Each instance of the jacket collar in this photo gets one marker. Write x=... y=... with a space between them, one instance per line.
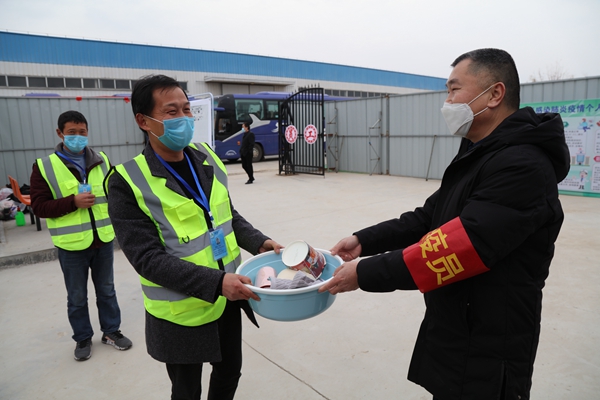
x=92 y=158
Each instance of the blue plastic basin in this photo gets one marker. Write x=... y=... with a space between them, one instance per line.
x=288 y=304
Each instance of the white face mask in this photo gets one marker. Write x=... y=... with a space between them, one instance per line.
x=459 y=116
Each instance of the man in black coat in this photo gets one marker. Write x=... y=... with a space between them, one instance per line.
x=481 y=245
x=247 y=151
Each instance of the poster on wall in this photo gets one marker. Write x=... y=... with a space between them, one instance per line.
x=582 y=132
x=202 y=110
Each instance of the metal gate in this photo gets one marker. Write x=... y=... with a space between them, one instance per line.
x=302 y=133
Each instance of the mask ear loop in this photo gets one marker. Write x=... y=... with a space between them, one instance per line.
x=481 y=94
x=147 y=116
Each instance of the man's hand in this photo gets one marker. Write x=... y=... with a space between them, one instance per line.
x=234 y=288
x=348 y=248
x=84 y=200
x=270 y=245
x=345 y=279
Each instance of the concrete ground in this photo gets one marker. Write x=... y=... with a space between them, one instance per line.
x=358 y=349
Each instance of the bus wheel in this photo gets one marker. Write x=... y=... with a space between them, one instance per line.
x=257 y=153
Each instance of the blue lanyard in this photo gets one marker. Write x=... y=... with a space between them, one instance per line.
x=199 y=198
x=83 y=174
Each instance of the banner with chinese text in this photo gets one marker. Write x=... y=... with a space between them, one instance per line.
x=582 y=132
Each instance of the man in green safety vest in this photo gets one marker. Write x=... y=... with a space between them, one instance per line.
x=175 y=222
x=66 y=189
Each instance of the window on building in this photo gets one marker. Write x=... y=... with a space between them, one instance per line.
x=328 y=92
x=122 y=84
x=2 y=80
x=56 y=82
x=90 y=83
x=336 y=93
x=73 y=83
x=107 y=83
x=183 y=85
x=37 y=82
x=17 y=81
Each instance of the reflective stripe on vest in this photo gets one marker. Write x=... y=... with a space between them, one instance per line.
x=166 y=208
x=74 y=231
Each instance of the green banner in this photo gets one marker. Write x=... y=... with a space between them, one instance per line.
x=582 y=132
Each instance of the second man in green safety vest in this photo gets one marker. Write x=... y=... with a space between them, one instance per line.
x=176 y=224
x=66 y=189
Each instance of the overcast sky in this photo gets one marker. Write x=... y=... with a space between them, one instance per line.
x=419 y=37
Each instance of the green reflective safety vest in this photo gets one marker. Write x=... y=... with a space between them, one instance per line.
x=183 y=230
x=74 y=231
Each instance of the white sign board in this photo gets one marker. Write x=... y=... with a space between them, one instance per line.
x=202 y=110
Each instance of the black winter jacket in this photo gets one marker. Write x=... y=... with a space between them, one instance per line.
x=479 y=336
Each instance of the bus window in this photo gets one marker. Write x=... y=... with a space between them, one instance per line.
x=224 y=126
x=272 y=109
x=245 y=107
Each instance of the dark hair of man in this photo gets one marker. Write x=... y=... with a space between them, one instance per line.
x=71 y=116
x=142 y=96
x=497 y=66
x=246 y=124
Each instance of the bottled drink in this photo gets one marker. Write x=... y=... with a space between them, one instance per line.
x=20 y=217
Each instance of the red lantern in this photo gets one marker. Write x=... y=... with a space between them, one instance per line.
x=126 y=99
x=78 y=98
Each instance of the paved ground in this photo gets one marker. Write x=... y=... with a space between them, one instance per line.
x=358 y=349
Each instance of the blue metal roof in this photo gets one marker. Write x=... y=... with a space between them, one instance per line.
x=16 y=47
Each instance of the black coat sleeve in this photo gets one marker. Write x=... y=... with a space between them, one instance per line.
x=386 y=270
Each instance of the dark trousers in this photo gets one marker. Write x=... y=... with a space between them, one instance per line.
x=247 y=165
x=76 y=267
x=186 y=379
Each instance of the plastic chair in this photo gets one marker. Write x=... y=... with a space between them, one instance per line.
x=25 y=199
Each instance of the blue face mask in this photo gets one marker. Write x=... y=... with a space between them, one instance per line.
x=75 y=143
x=178 y=132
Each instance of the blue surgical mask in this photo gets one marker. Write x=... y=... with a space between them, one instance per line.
x=75 y=143
x=178 y=132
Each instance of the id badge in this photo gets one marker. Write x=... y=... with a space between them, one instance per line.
x=85 y=188
x=217 y=242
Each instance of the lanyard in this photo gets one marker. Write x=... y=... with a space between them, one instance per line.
x=199 y=198
x=83 y=174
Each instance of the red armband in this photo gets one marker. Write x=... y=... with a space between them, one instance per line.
x=443 y=256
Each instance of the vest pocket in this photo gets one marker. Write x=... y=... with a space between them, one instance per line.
x=181 y=306
x=231 y=245
x=186 y=220
x=221 y=211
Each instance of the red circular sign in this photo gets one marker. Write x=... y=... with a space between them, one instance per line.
x=310 y=134
x=291 y=134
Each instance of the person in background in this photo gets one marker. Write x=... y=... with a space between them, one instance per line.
x=247 y=151
x=177 y=226
x=66 y=189
x=480 y=247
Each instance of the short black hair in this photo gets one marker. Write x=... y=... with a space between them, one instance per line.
x=71 y=116
x=246 y=124
x=142 y=96
x=500 y=67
